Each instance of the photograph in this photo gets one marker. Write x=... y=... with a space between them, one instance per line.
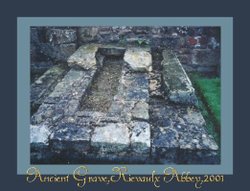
x=125 y=95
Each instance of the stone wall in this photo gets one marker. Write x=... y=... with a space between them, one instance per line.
x=198 y=48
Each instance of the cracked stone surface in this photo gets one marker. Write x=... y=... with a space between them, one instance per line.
x=44 y=85
x=138 y=59
x=113 y=137
x=84 y=56
x=146 y=118
x=178 y=85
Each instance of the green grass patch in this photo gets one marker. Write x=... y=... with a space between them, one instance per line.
x=208 y=90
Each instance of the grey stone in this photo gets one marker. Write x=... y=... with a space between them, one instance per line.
x=84 y=57
x=112 y=137
x=163 y=155
x=43 y=86
x=57 y=52
x=135 y=80
x=140 y=111
x=140 y=137
x=138 y=59
x=194 y=117
x=71 y=137
x=72 y=107
x=179 y=127
x=197 y=157
x=88 y=34
x=71 y=132
x=195 y=138
x=60 y=36
x=133 y=87
x=44 y=112
x=65 y=51
x=141 y=29
x=39 y=134
x=177 y=84
x=167 y=137
x=121 y=109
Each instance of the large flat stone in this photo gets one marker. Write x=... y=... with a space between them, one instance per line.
x=138 y=59
x=113 y=137
x=73 y=85
x=140 y=111
x=85 y=56
x=131 y=100
x=177 y=84
x=39 y=134
x=133 y=87
x=71 y=137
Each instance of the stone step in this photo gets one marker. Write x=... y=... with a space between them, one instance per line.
x=139 y=59
x=177 y=84
x=44 y=85
x=84 y=56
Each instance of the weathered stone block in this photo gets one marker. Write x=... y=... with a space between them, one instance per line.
x=111 y=138
x=166 y=137
x=57 y=52
x=60 y=36
x=72 y=137
x=140 y=111
x=39 y=134
x=135 y=80
x=138 y=59
x=177 y=84
x=43 y=86
x=84 y=57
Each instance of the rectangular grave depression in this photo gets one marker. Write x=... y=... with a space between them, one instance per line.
x=104 y=87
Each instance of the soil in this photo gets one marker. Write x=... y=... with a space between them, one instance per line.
x=104 y=87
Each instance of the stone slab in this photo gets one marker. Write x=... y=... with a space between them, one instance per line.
x=113 y=137
x=85 y=56
x=71 y=137
x=39 y=134
x=177 y=84
x=138 y=59
x=140 y=111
